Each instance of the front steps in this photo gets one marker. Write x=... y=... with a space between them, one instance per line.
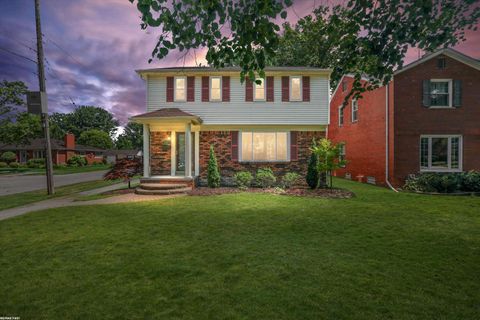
x=164 y=186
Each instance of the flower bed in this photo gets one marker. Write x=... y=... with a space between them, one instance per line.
x=301 y=192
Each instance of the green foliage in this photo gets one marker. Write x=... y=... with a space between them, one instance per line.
x=38 y=163
x=124 y=169
x=265 y=178
x=77 y=161
x=213 y=175
x=444 y=182
x=8 y=156
x=470 y=181
x=14 y=165
x=3 y=164
x=290 y=179
x=11 y=96
x=243 y=179
x=25 y=128
x=312 y=169
x=328 y=155
x=95 y=138
x=131 y=138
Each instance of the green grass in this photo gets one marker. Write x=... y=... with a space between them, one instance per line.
x=58 y=171
x=20 y=199
x=378 y=255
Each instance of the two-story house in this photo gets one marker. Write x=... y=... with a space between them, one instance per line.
x=427 y=119
x=250 y=125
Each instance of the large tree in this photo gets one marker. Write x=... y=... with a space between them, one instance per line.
x=25 y=128
x=131 y=138
x=364 y=36
x=95 y=138
x=12 y=95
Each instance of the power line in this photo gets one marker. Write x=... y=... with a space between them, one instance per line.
x=18 y=54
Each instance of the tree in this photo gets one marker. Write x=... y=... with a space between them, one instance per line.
x=328 y=155
x=8 y=157
x=131 y=138
x=124 y=169
x=213 y=175
x=96 y=138
x=312 y=169
x=25 y=128
x=11 y=96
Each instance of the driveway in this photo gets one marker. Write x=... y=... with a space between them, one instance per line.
x=10 y=184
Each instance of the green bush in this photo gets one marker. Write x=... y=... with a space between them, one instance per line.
x=77 y=161
x=213 y=175
x=3 y=164
x=265 y=178
x=36 y=163
x=312 y=171
x=470 y=181
x=60 y=166
x=243 y=179
x=444 y=182
x=8 y=157
x=14 y=165
x=290 y=179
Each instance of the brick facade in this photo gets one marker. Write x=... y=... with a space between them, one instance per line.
x=160 y=153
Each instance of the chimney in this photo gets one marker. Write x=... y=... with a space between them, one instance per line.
x=69 y=141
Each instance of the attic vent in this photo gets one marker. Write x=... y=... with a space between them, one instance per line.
x=371 y=180
x=348 y=176
x=441 y=63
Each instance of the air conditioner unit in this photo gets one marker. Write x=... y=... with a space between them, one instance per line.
x=37 y=102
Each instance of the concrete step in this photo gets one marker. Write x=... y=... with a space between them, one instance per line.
x=162 y=186
x=142 y=191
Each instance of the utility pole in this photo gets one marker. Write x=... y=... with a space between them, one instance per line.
x=41 y=84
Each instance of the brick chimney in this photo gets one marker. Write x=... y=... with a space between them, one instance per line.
x=69 y=141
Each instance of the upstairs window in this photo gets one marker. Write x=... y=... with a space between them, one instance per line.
x=264 y=146
x=180 y=88
x=296 y=88
x=440 y=153
x=259 y=92
x=354 y=110
x=438 y=93
x=340 y=115
x=215 y=88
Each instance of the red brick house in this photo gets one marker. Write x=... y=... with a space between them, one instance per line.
x=250 y=125
x=62 y=150
x=427 y=119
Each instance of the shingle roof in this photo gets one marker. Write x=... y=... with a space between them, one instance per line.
x=230 y=69
x=165 y=113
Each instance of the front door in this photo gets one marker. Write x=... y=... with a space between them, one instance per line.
x=180 y=154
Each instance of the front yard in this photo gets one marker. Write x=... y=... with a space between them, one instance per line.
x=378 y=255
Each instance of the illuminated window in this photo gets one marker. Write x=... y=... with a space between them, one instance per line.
x=215 y=88
x=259 y=93
x=180 y=88
x=295 y=88
x=264 y=146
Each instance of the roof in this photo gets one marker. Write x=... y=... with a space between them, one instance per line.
x=39 y=144
x=114 y=152
x=168 y=113
x=449 y=52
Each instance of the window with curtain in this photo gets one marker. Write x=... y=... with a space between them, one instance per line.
x=180 y=88
x=259 y=92
x=295 y=88
x=264 y=146
x=440 y=93
x=440 y=153
x=215 y=88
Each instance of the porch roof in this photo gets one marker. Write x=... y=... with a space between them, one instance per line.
x=173 y=114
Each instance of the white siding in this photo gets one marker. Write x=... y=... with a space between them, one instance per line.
x=238 y=111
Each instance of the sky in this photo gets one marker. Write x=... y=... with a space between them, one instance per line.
x=93 y=47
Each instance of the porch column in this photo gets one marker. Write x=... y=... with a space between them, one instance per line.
x=188 y=149
x=197 y=153
x=146 y=150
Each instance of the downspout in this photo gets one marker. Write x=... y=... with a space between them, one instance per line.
x=387 y=124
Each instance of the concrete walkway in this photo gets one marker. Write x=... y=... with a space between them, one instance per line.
x=69 y=201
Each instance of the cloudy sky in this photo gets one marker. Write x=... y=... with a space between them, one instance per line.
x=92 y=48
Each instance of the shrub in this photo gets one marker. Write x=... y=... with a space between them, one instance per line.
x=124 y=169
x=470 y=181
x=8 y=157
x=3 y=164
x=290 y=179
x=438 y=182
x=312 y=169
x=243 y=179
x=36 y=163
x=77 y=161
x=14 y=165
x=265 y=178
x=60 y=166
x=213 y=175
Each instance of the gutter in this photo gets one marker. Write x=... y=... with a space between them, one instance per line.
x=387 y=125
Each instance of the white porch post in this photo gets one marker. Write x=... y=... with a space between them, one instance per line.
x=188 y=149
x=197 y=153
x=146 y=150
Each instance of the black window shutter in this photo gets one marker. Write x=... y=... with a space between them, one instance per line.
x=457 y=93
x=426 y=93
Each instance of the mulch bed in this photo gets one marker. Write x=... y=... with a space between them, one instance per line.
x=299 y=192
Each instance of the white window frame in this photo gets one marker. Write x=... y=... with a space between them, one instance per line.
x=301 y=88
x=240 y=151
x=450 y=93
x=354 y=102
x=264 y=90
x=343 y=155
x=341 y=110
x=210 y=88
x=175 y=89
x=430 y=168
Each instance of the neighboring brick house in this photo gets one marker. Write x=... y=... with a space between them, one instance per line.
x=433 y=108
x=249 y=125
x=62 y=150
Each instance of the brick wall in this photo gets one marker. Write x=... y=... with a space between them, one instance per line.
x=160 y=155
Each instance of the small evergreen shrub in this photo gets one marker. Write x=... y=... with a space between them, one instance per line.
x=3 y=164
x=36 y=163
x=265 y=178
x=290 y=179
x=8 y=157
x=243 y=179
x=77 y=161
x=14 y=165
x=213 y=175
x=312 y=171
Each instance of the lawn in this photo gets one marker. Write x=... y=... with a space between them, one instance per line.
x=56 y=170
x=379 y=255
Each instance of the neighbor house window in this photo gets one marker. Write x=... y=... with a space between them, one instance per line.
x=259 y=93
x=440 y=153
x=215 y=88
x=342 y=154
x=264 y=146
x=295 y=88
x=354 y=110
x=180 y=88
x=441 y=93
x=340 y=115
x=39 y=154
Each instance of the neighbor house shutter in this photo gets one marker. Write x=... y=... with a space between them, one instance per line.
x=270 y=89
x=205 y=89
x=190 y=89
x=234 y=145
x=248 y=90
x=426 y=93
x=226 y=88
x=293 y=145
x=306 y=88
x=169 y=89
x=285 y=89
x=457 y=93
